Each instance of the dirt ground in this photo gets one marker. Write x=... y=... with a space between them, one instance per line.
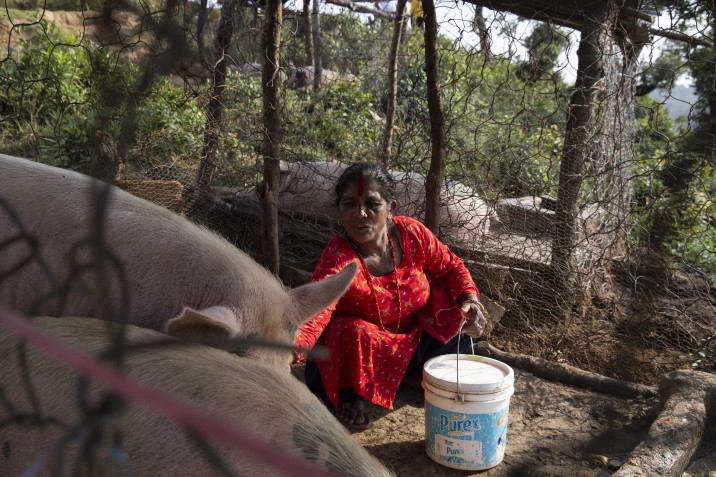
x=553 y=430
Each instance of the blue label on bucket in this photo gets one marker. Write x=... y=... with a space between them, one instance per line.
x=465 y=441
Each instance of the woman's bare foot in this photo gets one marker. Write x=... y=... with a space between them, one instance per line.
x=352 y=414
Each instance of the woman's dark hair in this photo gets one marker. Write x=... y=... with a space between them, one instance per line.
x=368 y=172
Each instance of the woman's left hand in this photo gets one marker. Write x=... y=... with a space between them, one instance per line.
x=476 y=321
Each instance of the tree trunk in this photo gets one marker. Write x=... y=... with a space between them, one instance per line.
x=399 y=21
x=707 y=133
x=404 y=29
x=272 y=127
x=480 y=26
x=309 y=31
x=200 y=24
x=436 y=172
x=212 y=131
x=676 y=433
x=584 y=118
x=317 y=46
x=610 y=158
x=567 y=374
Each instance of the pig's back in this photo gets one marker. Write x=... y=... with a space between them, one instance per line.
x=169 y=262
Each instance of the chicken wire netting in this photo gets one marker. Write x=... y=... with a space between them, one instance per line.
x=578 y=176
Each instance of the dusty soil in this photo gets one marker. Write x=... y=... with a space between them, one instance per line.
x=553 y=430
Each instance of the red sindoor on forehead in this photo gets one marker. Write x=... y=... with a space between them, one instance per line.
x=360 y=187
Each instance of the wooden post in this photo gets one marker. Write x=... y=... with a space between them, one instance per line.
x=272 y=131
x=307 y=25
x=436 y=173
x=317 y=45
x=224 y=32
x=398 y=23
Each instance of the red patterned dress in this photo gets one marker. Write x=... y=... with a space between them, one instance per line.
x=363 y=356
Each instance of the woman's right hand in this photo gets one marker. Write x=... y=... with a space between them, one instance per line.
x=472 y=312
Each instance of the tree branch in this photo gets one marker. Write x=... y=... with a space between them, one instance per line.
x=567 y=374
x=360 y=9
x=678 y=36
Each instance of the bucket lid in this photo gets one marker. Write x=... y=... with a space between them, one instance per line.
x=478 y=374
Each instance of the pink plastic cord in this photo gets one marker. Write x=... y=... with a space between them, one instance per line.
x=133 y=391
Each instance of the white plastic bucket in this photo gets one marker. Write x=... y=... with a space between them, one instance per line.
x=467 y=401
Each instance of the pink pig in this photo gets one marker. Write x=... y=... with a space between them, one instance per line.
x=253 y=396
x=181 y=278
x=308 y=187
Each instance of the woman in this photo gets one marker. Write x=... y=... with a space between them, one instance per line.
x=405 y=305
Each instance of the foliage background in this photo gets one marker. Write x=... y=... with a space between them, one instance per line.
x=147 y=85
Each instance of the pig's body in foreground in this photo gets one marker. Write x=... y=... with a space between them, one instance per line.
x=182 y=278
x=259 y=398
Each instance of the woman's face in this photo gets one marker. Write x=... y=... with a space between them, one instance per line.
x=364 y=213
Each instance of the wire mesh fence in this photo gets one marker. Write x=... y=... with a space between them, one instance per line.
x=578 y=159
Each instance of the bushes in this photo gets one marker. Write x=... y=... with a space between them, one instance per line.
x=60 y=91
x=170 y=126
x=47 y=92
x=333 y=123
x=673 y=208
x=48 y=77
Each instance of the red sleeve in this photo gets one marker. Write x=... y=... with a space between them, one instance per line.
x=332 y=261
x=439 y=262
x=311 y=330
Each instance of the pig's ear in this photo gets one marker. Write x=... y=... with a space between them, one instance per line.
x=315 y=297
x=215 y=320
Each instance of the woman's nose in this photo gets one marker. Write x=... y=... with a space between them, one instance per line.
x=362 y=210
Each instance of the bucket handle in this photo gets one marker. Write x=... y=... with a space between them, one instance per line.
x=460 y=397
